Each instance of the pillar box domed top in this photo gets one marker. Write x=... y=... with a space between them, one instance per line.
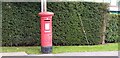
x=42 y=14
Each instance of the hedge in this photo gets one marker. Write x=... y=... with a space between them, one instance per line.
x=112 y=34
x=118 y=29
x=20 y=24
x=74 y=23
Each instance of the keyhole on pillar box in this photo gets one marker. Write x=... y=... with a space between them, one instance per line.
x=49 y=35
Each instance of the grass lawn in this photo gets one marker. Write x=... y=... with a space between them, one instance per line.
x=62 y=49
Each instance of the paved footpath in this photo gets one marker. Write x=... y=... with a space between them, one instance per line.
x=13 y=54
x=106 y=53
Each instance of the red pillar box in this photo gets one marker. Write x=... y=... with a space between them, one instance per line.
x=46 y=31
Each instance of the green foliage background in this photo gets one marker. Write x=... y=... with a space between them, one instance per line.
x=112 y=34
x=21 y=25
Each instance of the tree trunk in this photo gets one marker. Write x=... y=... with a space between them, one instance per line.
x=103 y=31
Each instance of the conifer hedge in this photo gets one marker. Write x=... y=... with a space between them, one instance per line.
x=74 y=23
x=112 y=34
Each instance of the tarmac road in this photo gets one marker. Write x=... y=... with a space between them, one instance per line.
x=105 y=53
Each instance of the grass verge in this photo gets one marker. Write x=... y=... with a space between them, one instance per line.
x=62 y=49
